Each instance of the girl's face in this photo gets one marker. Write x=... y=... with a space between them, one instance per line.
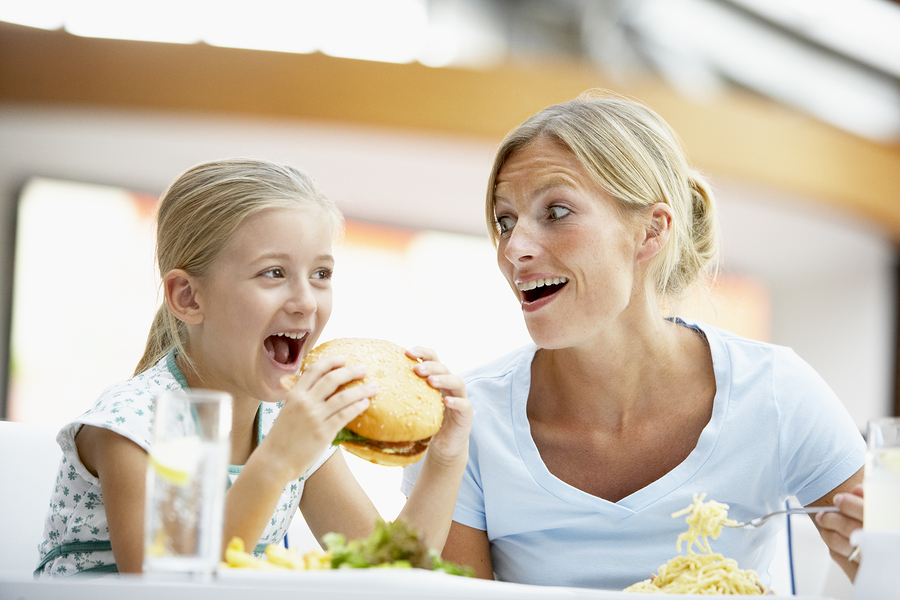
x=265 y=302
x=564 y=247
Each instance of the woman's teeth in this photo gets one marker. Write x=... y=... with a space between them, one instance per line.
x=530 y=285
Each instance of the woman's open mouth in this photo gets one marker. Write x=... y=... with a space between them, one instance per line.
x=534 y=290
x=284 y=348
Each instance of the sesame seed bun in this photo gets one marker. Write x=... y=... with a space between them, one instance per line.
x=405 y=412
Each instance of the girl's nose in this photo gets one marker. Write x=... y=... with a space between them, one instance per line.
x=302 y=300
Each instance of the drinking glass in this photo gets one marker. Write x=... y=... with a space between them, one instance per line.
x=881 y=484
x=187 y=476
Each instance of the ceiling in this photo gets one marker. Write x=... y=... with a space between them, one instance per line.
x=837 y=60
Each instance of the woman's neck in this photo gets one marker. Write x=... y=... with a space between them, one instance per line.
x=621 y=375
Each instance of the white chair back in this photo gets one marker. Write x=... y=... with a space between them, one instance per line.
x=29 y=457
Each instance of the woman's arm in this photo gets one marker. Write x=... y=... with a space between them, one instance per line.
x=470 y=547
x=835 y=528
x=121 y=466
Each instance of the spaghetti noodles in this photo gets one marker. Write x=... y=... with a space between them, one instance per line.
x=702 y=571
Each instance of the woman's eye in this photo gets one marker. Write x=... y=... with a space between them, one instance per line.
x=323 y=273
x=558 y=212
x=504 y=224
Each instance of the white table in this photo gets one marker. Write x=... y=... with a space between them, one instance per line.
x=354 y=584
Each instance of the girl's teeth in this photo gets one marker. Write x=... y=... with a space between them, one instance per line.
x=293 y=336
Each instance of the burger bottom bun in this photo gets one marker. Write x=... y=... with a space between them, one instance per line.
x=384 y=459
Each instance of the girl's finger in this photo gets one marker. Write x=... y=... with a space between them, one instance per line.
x=347 y=397
x=422 y=353
x=350 y=412
x=424 y=369
x=312 y=373
x=324 y=387
x=449 y=385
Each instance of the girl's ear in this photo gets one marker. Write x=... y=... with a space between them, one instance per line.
x=657 y=229
x=180 y=290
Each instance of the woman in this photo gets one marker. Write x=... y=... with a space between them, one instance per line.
x=586 y=442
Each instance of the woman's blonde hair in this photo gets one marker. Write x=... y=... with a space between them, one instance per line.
x=200 y=211
x=636 y=158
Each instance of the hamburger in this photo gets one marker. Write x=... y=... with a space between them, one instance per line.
x=401 y=418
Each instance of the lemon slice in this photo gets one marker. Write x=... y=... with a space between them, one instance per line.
x=891 y=459
x=176 y=460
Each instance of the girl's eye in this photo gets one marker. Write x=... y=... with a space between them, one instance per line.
x=274 y=273
x=323 y=273
x=505 y=224
x=558 y=212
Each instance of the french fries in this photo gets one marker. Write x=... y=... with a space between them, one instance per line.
x=277 y=557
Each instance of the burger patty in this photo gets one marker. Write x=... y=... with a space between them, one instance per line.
x=402 y=448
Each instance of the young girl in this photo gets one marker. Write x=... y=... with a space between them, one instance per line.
x=244 y=252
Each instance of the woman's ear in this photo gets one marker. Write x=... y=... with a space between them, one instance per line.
x=181 y=296
x=657 y=229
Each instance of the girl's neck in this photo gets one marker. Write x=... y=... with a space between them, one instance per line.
x=244 y=413
x=244 y=430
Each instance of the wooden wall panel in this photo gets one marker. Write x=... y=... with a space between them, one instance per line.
x=737 y=136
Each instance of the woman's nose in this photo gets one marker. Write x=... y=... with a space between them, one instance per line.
x=521 y=244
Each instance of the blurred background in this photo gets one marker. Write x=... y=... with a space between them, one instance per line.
x=790 y=107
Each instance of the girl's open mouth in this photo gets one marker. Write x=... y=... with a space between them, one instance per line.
x=533 y=291
x=284 y=348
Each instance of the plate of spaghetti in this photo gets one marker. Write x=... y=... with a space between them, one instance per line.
x=700 y=570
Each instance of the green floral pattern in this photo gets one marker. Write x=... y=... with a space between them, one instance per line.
x=76 y=513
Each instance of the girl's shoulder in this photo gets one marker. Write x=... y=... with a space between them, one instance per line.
x=126 y=407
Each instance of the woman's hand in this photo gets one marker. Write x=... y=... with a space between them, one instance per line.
x=836 y=528
x=451 y=443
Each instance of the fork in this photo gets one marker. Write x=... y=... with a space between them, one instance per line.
x=758 y=521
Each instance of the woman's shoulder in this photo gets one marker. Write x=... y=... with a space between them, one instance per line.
x=737 y=346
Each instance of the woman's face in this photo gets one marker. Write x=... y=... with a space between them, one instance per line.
x=564 y=247
x=265 y=302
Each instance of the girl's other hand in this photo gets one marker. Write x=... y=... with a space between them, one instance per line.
x=451 y=443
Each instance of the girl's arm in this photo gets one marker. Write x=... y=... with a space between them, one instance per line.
x=121 y=466
x=429 y=508
x=310 y=418
x=333 y=501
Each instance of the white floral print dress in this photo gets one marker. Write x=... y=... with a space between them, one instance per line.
x=76 y=536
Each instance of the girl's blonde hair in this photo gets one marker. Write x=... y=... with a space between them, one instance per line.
x=636 y=158
x=200 y=211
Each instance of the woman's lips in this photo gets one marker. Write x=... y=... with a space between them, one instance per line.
x=538 y=292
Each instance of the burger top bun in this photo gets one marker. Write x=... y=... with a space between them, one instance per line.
x=405 y=408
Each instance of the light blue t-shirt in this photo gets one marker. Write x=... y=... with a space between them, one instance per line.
x=777 y=430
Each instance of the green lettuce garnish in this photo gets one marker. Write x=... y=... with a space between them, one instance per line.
x=391 y=545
